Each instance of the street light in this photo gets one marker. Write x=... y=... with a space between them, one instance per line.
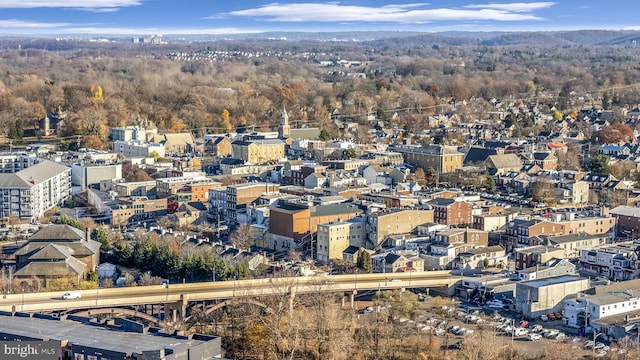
x=214 y=274
x=22 y=306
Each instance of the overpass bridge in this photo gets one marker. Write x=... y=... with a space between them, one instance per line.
x=176 y=297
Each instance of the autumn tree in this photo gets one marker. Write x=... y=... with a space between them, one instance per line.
x=92 y=142
x=614 y=134
x=224 y=116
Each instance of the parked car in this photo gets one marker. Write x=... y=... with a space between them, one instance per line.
x=524 y=323
x=532 y=337
x=520 y=332
x=551 y=316
x=544 y=318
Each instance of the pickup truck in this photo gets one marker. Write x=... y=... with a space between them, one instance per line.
x=71 y=295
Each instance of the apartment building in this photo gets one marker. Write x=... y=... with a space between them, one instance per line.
x=450 y=211
x=13 y=162
x=258 y=151
x=385 y=223
x=199 y=190
x=29 y=192
x=628 y=220
x=335 y=237
x=443 y=159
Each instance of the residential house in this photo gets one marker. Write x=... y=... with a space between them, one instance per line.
x=376 y=174
x=628 y=218
x=618 y=262
x=463 y=236
x=481 y=257
x=531 y=256
x=219 y=146
x=573 y=244
x=503 y=164
x=552 y=268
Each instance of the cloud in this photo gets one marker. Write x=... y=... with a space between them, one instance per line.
x=86 y=5
x=392 y=13
x=514 y=7
x=14 y=23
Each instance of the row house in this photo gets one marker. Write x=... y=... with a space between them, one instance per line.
x=531 y=256
x=481 y=257
x=573 y=244
x=450 y=211
x=617 y=262
x=463 y=236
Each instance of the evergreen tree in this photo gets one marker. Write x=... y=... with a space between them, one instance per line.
x=364 y=261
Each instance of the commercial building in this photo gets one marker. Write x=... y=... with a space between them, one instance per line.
x=137 y=148
x=543 y=296
x=117 y=339
x=293 y=224
x=384 y=223
x=138 y=208
x=89 y=175
x=28 y=193
x=258 y=151
x=441 y=158
x=618 y=262
x=335 y=237
x=240 y=196
x=127 y=133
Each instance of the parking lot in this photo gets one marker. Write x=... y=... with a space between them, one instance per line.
x=456 y=323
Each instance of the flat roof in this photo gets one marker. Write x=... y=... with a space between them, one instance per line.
x=89 y=335
x=551 y=281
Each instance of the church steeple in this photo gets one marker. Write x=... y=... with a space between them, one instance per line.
x=283 y=128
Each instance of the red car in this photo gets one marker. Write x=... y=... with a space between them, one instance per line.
x=558 y=315
x=551 y=316
x=524 y=323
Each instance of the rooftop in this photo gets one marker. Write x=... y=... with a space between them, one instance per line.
x=551 y=281
x=78 y=333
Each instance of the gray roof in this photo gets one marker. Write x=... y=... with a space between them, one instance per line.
x=78 y=333
x=625 y=211
x=563 y=239
x=505 y=161
x=304 y=133
x=52 y=252
x=56 y=232
x=71 y=266
x=32 y=175
x=551 y=281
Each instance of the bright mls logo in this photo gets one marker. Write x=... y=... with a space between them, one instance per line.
x=32 y=350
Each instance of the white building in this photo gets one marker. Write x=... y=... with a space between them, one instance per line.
x=127 y=133
x=30 y=192
x=600 y=306
x=13 y=162
x=137 y=148
x=335 y=237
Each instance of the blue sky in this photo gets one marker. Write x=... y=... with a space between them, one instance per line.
x=166 y=17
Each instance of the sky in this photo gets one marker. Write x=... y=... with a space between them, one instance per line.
x=167 y=17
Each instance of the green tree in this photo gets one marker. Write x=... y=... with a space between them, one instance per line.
x=16 y=130
x=92 y=276
x=100 y=235
x=364 y=261
x=491 y=184
x=65 y=220
x=324 y=135
x=599 y=164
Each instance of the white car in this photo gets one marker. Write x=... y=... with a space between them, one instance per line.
x=520 y=332
x=533 y=337
x=71 y=295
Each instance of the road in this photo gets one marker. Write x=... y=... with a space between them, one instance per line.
x=158 y=294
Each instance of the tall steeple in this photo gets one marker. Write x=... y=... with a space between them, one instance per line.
x=283 y=128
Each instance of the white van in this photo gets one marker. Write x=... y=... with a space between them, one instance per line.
x=70 y=295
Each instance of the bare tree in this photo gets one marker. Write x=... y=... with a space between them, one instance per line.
x=242 y=237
